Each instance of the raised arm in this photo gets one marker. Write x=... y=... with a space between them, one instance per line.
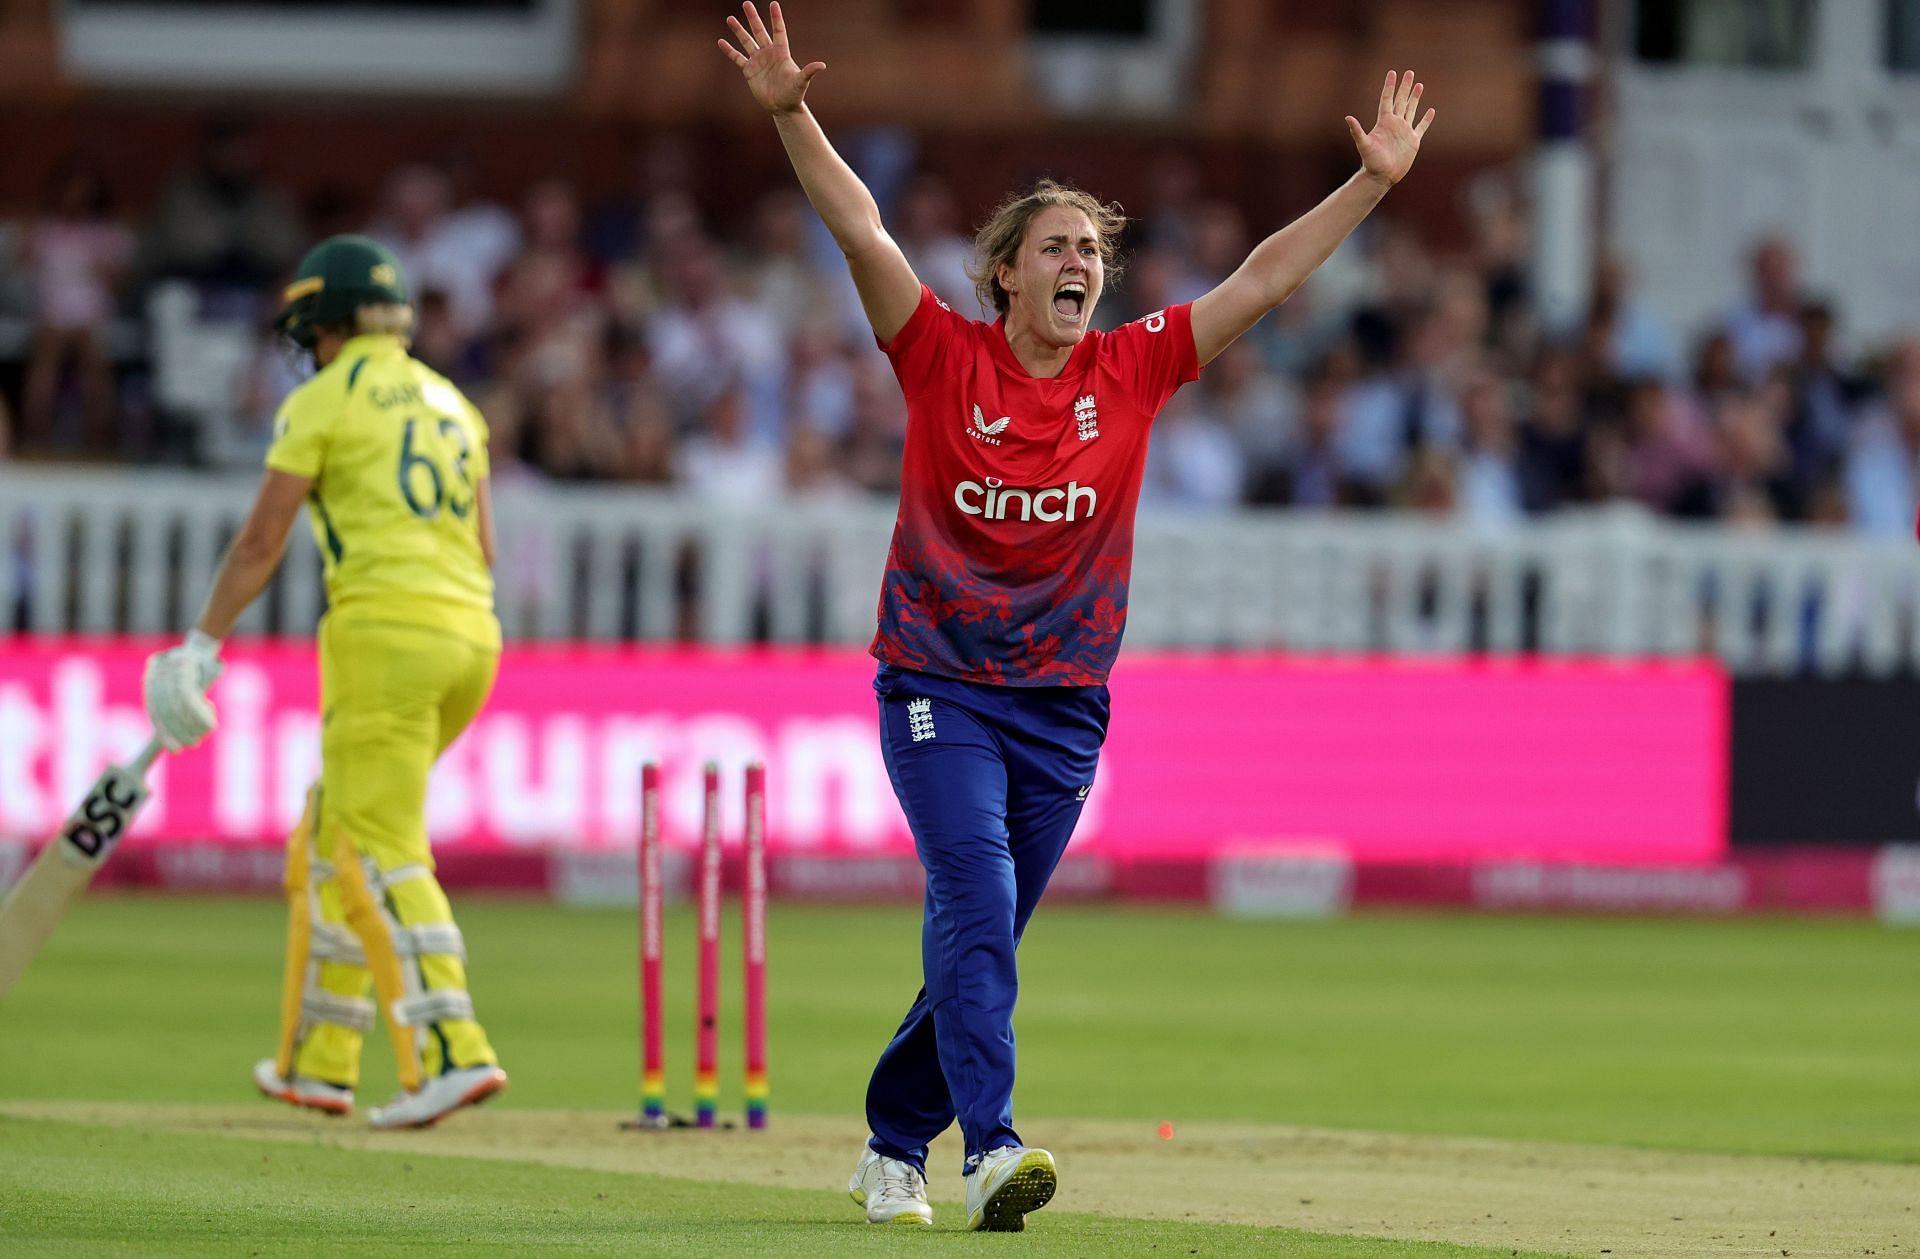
x=1282 y=262
x=889 y=291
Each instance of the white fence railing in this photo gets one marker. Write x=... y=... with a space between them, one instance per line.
x=133 y=551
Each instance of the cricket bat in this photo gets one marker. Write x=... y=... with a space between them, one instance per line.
x=67 y=863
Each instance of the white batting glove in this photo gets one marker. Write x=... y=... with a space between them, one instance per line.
x=176 y=690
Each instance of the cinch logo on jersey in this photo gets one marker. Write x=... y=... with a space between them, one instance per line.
x=1069 y=502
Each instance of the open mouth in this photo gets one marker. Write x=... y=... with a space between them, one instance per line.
x=1069 y=300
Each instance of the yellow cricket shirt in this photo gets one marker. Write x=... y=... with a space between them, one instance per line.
x=394 y=452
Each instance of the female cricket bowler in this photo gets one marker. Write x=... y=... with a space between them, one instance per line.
x=1006 y=585
x=392 y=463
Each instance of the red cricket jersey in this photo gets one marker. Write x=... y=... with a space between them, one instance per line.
x=1014 y=542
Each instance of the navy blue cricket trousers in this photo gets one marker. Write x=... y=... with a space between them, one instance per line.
x=992 y=779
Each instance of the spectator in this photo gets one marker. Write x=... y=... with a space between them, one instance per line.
x=1882 y=460
x=1150 y=282
x=1219 y=244
x=1827 y=504
x=1765 y=331
x=638 y=286
x=1825 y=396
x=484 y=231
x=726 y=462
x=77 y=251
x=222 y=227
x=623 y=231
x=876 y=439
x=631 y=392
x=1432 y=483
x=552 y=218
x=820 y=384
x=813 y=471
x=1487 y=474
x=1637 y=342
x=573 y=436
x=1193 y=463
x=1257 y=407
x=274 y=373
x=778 y=271
x=1415 y=408
x=1748 y=480
x=1371 y=433
x=1173 y=198
x=1314 y=475
x=705 y=341
x=552 y=301
x=651 y=455
x=436 y=251
x=438 y=340
x=1554 y=461
x=933 y=245
x=1502 y=257
x=1716 y=376
x=1463 y=325
x=1666 y=449
x=1401 y=283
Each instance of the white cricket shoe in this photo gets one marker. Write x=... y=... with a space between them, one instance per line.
x=893 y=1192
x=317 y=1095
x=1008 y=1183
x=439 y=1097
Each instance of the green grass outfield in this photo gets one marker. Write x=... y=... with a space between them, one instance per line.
x=1776 y=1038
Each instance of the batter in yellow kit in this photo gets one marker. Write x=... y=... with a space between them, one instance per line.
x=391 y=461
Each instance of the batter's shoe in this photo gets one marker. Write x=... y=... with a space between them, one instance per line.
x=1007 y=1184
x=328 y=1099
x=439 y=1097
x=893 y=1192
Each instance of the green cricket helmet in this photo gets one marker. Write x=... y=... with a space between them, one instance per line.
x=337 y=277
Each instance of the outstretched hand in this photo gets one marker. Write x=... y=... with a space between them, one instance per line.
x=764 y=60
x=1387 y=151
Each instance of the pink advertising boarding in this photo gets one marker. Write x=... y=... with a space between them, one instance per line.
x=1383 y=760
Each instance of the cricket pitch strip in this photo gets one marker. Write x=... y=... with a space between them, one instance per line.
x=1562 y=1199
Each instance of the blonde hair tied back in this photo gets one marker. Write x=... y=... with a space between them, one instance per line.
x=390 y=319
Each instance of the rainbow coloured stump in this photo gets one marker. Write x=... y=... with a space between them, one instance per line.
x=653 y=1073
x=754 y=928
x=706 y=1077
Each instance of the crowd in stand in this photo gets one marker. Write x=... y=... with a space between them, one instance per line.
x=649 y=341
